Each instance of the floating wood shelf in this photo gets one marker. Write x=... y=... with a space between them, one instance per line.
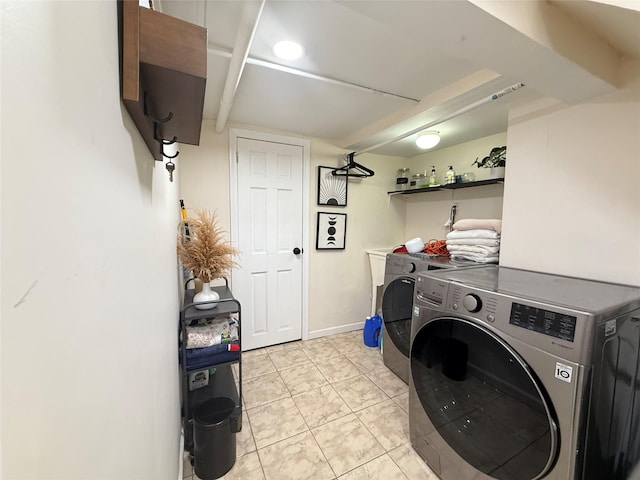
x=163 y=75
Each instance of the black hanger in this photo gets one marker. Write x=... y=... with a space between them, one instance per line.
x=361 y=170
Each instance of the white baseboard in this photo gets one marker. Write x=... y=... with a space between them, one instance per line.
x=181 y=456
x=325 y=332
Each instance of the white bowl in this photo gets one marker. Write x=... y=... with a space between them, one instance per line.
x=414 y=245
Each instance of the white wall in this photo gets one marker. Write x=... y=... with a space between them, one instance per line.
x=427 y=213
x=572 y=196
x=204 y=174
x=89 y=281
x=339 y=280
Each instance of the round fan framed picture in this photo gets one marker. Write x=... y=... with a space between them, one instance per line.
x=332 y=189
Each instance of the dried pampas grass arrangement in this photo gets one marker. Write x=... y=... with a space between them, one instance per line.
x=205 y=251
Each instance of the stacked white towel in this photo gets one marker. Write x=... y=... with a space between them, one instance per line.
x=477 y=240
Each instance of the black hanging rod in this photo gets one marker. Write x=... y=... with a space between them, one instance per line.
x=360 y=170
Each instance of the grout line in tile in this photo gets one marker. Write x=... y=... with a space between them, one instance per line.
x=335 y=475
x=397 y=464
x=300 y=413
x=264 y=475
x=374 y=458
x=373 y=434
x=268 y=403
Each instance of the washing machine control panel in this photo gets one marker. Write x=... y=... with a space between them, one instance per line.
x=554 y=324
x=551 y=323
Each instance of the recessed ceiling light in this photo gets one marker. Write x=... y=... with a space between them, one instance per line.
x=288 y=50
x=428 y=139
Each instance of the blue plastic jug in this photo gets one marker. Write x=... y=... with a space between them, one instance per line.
x=371 y=332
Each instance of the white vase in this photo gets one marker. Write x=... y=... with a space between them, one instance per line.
x=207 y=295
x=497 y=172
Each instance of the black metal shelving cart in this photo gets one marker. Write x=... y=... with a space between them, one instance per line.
x=214 y=362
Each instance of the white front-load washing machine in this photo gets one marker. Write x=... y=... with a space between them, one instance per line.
x=519 y=375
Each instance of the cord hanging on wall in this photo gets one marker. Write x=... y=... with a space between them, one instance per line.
x=353 y=169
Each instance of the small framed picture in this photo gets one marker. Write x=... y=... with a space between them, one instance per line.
x=332 y=231
x=332 y=189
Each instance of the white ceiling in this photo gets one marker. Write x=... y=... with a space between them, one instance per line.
x=382 y=69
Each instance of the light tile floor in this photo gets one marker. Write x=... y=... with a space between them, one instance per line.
x=321 y=409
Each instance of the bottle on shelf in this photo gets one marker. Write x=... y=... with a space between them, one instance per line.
x=402 y=179
x=433 y=180
x=418 y=180
x=450 y=176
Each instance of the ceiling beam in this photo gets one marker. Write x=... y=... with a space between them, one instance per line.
x=244 y=37
x=491 y=98
x=432 y=107
x=301 y=73
x=551 y=28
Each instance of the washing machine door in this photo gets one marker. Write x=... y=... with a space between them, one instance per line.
x=482 y=402
x=397 y=303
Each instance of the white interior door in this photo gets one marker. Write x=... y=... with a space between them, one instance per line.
x=269 y=280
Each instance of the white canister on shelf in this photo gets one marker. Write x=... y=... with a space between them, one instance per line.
x=418 y=180
x=402 y=178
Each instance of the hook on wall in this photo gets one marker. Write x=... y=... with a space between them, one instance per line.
x=155 y=119
x=170 y=166
x=164 y=154
x=158 y=136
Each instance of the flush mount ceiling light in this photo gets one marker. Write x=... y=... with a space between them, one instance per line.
x=428 y=139
x=288 y=50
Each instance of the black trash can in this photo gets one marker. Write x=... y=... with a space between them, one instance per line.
x=214 y=441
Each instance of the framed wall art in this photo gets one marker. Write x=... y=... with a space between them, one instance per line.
x=332 y=231
x=332 y=189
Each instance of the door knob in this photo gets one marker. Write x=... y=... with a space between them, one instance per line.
x=297 y=251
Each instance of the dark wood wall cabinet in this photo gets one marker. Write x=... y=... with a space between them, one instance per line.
x=163 y=75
